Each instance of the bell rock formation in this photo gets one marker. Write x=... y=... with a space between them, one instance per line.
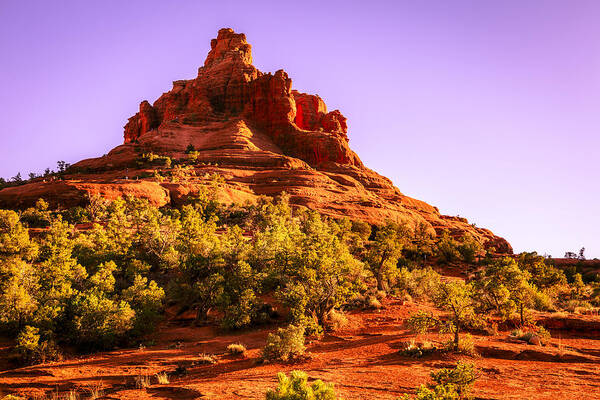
x=260 y=135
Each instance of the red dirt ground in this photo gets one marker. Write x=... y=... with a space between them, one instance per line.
x=362 y=360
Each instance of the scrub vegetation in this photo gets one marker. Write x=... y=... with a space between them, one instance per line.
x=107 y=284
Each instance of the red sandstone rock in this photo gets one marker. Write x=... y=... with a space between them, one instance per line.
x=263 y=137
x=309 y=111
x=229 y=86
x=140 y=123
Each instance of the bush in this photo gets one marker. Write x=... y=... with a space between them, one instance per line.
x=370 y=300
x=460 y=377
x=162 y=378
x=491 y=329
x=14 y=237
x=204 y=359
x=373 y=303
x=146 y=300
x=285 y=345
x=455 y=297
x=311 y=327
x=526 y=335
x=100 y=322
x=543 y=334
x=38 y=216
x=28 y=343
x=435 y=392
x=419 y=283
x=574 y=305
x=242 y=312
x=421 y=322
x=154 y=159
x=469 y=248
x=31 y=350
x=411 y=349
x=542 y=301
x=449 y=384
x=236 y=349
x=76 y=215
x=296 y=387
x=182 y=173
x=336 y=320
x=466 y=345
x=385 y=250
x=447 y=249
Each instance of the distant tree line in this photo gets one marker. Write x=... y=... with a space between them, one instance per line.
x=16 y=180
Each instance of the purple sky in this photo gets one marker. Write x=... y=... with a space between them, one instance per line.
x=486 y=109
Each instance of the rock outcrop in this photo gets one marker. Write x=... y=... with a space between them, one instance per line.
x=261 y=136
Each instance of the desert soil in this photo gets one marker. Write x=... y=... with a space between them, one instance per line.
x=363 y=361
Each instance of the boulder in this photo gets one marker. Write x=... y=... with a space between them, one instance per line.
x=535 y=340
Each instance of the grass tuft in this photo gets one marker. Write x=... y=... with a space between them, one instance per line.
x=236 y=349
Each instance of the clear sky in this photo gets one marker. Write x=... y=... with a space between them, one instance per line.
x=487 y=109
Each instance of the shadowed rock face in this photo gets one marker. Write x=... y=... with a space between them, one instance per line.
x=263 y=137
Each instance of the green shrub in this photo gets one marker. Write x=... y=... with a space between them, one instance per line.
x=155 y=159
x=100 y=322
x=76 y=215
x=449 y=384
x=456 y=298
x=240 y=313
x=28 y=343
x=419 y=283
x=469 y=248
x=373 y=303
x=33 y=351
x=319 y=272
x=576 y=305
x=542 y=301
x=385 y=250
x=146 y=299
x=311 y=327
x=182 y=173
x=447 y=249
x=14 y=237
x=436 y=392
x=421 y=322
x=296 y=387
x=460 y=377
x=543 y=334
x=285 y=345
x=38 y=216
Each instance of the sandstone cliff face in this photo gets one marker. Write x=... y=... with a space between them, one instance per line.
x=229 y=86
x=259 y=134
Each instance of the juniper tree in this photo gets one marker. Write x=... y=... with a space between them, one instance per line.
x=385 y=250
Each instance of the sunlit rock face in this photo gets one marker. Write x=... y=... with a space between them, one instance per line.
x=229 y=86
x=251 y=128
